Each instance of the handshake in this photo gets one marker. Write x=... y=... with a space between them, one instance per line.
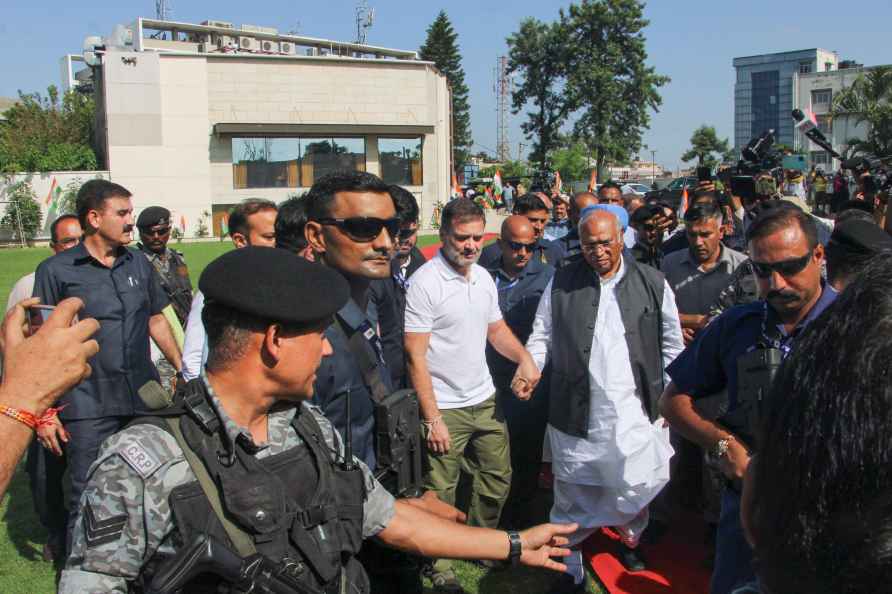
x=526 y=378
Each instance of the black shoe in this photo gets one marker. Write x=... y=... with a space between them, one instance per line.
x=492 y=565
x=631 y=559
x=654 y=532
x=445 y=581
x=565 y=584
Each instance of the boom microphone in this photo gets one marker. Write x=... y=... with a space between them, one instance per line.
x=810 y=129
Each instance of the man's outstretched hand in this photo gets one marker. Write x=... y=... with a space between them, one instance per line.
x=37 y=370
x=542 y=542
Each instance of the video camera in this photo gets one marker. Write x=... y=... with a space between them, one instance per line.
x=759 y=155
x=542 y=181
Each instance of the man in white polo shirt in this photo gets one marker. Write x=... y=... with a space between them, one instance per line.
x=452 y=310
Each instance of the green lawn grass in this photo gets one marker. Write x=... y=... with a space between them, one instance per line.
x=22 y=569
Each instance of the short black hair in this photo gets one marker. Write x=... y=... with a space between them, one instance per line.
x=92 y=196
x=322 y=194
x=609 y=184
x=290 y=222
x=238 y=216
x=460 y=209
x=59 y=220
x=227 y=332
x=855 y=214
x=645 y=213
x=856 y=205
x=528 y=203
x=827 y=440
x=406 y=205
x=700 y=212
x=781 y=216
x=844 y=264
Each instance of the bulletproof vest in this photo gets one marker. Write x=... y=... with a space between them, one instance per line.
x=575 y=294
x=300 y=506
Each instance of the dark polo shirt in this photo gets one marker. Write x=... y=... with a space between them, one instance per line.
x=122 y=299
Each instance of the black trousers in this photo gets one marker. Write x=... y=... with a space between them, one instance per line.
x=46 y=472
x=82 y=450
x=526 y=422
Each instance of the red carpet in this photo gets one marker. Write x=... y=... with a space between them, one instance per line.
x=676 y=562
x=431 y=250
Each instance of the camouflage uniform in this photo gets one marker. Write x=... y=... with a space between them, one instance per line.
x=174 y=279
x=125 y=517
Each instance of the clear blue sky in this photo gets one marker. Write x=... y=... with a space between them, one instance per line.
x=691 y=41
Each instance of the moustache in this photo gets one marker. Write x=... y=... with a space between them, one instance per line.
x=785 y=296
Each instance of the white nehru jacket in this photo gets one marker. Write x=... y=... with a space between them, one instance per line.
x=457 y=312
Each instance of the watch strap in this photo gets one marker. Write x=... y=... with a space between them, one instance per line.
x=516 y=547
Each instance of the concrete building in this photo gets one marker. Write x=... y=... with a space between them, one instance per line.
x=197 y=118
x=815 y=92
x=764 y=95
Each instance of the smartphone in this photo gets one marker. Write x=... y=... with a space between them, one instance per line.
x=39 y=314
x=704 y=174
x=743 y=186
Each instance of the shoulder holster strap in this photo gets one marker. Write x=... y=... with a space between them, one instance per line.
x=368 y=365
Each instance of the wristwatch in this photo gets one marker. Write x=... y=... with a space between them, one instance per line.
x=721 y=447
x=516 y=547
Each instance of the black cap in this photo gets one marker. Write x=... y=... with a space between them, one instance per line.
x=275 y=285
x=861 y=236
x=153 y=215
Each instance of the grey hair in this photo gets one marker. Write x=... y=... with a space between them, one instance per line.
x=591 y=213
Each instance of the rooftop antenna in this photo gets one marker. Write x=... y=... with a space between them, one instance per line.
x=365 y=17
x=162 y=10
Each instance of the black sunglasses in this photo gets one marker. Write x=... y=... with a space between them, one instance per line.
x=784 y=268
x=517 y=246
x=161 y=232
x=365 y=228
x=407 y=233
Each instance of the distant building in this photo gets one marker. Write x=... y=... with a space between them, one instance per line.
x=197 y=118
x=815 y=92
x=764 y=94
x=636 y=171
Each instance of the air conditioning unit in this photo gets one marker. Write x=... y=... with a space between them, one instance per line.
x=247 y=44
x=224 y=42
x=218 y=24
x=286 y=48
x=268 y=46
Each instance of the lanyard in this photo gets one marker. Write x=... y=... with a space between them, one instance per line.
x=773 y=337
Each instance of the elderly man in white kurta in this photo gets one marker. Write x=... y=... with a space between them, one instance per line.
x=609 y=326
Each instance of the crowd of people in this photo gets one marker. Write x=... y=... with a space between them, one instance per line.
x=726 y=362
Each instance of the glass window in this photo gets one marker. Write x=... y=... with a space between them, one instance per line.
x=292 y=162
x=400 y=160
x=819 y=158
x=821 y=97
x=825 y=124
x=764 y=105
x=804 y=67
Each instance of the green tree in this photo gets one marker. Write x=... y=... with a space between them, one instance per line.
x=441 y=48
x=52 y=133
x=572 y=161
x=22 y=207
x=705 y=142
x=869 y=101
x=538 y=54
x=508 y=169
x=609 y=86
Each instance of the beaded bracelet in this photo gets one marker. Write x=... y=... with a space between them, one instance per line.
x=21 y=416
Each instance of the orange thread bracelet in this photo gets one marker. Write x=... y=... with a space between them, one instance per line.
x=21 y=416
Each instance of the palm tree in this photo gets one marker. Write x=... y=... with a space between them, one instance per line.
x=869 y=101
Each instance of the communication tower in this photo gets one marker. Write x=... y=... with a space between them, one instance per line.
x=162 y=10
x=365 y=17
x=503 y=92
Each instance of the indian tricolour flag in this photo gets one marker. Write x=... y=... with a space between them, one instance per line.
x=497 y=185
x=52 y=203
x=183 y=224
x=224 y=225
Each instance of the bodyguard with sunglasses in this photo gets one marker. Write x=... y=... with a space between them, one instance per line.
x=520 y=280
x=740 y=351
x=154 y=227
